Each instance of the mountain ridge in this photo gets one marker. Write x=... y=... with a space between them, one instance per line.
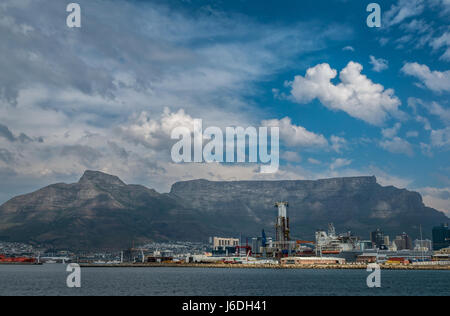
x=101 y=211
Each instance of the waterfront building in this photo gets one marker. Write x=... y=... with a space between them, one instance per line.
x=222 y=243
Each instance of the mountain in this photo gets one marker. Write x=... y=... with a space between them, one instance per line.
x=358 y=204
x=102 y=212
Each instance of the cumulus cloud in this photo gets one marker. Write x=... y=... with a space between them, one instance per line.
x=156 y=132
x=356 y=94
x=378 y=64
x=397 y=145
x=296 y=136
x=98 y=103
x=434 y=80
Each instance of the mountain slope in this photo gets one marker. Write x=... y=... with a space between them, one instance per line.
x=100 y=211
x=358 y=204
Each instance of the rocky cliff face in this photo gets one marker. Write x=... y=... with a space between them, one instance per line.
x=357 y=204
x=100 y=211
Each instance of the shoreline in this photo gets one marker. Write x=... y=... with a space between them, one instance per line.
x=279 y=267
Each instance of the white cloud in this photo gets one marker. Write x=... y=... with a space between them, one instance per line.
x=291 y=156
x=438 y=198
x=296 y=136
x=438 y=110
x=356 y=94
x=314 y=161
x=156 y=132
x=434 y=80
x=403 y=10
x=339 y=163
x=379 y=64
x=397 y=145
x=412 y=134
x=391 y=132
x=442 y=42
x=338 y=143
x=441 y=138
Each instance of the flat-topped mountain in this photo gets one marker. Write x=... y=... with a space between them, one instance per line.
x=358 y=204
x=101 y=211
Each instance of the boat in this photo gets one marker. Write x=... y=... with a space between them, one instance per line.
x=17 y=260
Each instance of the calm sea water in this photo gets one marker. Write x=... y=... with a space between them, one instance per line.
x=51 y=280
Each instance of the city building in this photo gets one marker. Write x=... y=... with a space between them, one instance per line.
x=403 y=242
x=441 y=237
x=422 y=245
x=257 y=245
x=377 y=238
x=387 y=241
x=223 y=243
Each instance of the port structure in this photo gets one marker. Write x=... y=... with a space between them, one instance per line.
x=282 y=225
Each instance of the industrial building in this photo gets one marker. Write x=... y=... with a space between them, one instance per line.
x=219 y=242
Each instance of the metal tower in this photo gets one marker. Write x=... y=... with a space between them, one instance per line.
x=282 y=225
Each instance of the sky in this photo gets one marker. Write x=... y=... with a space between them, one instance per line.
x=349 y=100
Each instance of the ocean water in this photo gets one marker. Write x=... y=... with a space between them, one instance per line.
x=51 y=280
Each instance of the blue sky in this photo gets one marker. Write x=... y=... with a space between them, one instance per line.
x=350 y=100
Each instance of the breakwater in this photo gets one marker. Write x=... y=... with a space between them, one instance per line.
x=265 y=266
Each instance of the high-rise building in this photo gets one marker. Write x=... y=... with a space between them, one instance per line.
x=403 y=242
x=377 y=238
x=441 y=237
x=387 y=241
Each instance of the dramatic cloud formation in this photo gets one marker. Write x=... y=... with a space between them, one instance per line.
x=434 y=80
x=155 y=133
x=95 y=97
x=356 y=94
